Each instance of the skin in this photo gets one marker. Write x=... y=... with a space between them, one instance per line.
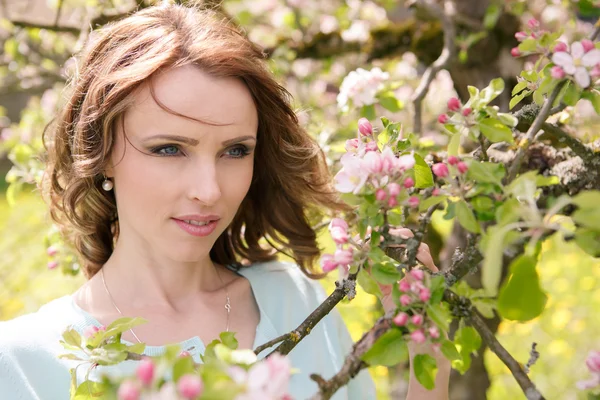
x=157 y=270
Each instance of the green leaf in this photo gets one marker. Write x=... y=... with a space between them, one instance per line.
x=486 y=172
x=454 y=144
x=423 y=174
x=72 y=337
x=122 y=325
x=496 y=131
x=440 y=315
x=90 y=390
x=389 y=350
x=594 y=97
x=368 y=112
x=492 y=91
x=385 y=273
x=229 y=340
x=508 y=119
x=468 y=338
x=391 y=103
x=449 y=350
x=491 y=271
x=466 y=218
x=491 y=16
x=517 y=99
x=572 y=94
x=183 y=366
x=425 y=369
x=521 y=297
x=431 y=201
x=519 y=86
x=588 y=213
x=588 y=240
x=368 y=284
x=528 y=45
x=508 y=212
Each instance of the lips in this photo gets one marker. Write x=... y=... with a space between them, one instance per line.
x=194 y=229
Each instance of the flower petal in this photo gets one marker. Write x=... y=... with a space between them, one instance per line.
x=582 y=77
x=577 y=50
x=563 y=59
x=591 y=58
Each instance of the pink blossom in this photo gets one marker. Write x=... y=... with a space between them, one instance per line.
x=279 y=371
x=145 y=371
x=595 y=72
x=434 y=332
x=435 y=192
x=52 y=264
x=405 y=300
x=389 y=161
x=413 y=201
x=328 y=263
x=453 y=104
x=417 y=319
x=184 y=354
x=404 y=285
x=128 y=391
x=533 y=23
x=466 y=111
x=408 y=183
x=589 y=384
x=593 y=362
x=351 y=144
x=405 y=162
x=418 y=274
x=425 y=295
x=343 y=256
x=520 y=36
x=557 y=72
x=372 y=162
x=394 y=189
x=560 y=46
x=401 y=319
x=416 y=287
x=440 y=170
x=339 y=235
x=443 y=118
x=577 y=63
x=51 y=251
x=418 y=336
x=515 y=52
x=453 y=160
x=587 y=45
x=380 y=194
x=462 y=167
x=364 y=127
x=352 y=177
x=91 y=330
x=189 y=386
x=392 y=202
x=338 y=223
x=371 y=146
x=361 y=87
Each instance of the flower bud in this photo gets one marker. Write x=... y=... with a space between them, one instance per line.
x=425 y=295
x=90 y=331
x=417 y=319
x=533 y=23
x=380 y=194
x=339 y=235
x=393 y=189
x=52 y=264
x=440 y=170
x=418 y=274
x=515 y=52
x=462 y=167
x=364 y=127
x=453 y=104
x=405 y=162
x=401 y=319
x=145 y=371
x=434 y=332
x=189 y=386
x=408 y=183
x=404 y=285
x=587 y=45
x=520 y=36
x=593 y=362
x=343 y=256
x=184 y=354
x=338 y=223
x=128 y=391
x=453 y=160
x=328 y=264
x=466 y=111
x=413 y=201
x=560 y=46
x=436 y=192
x=371 y=146
x=557 y=72
x=418 y=336
x=51 y=251
x=351 y=144
x=392 y=202
x=595 y=72
x=405 y=300
x=443 y=118
x=372 y=162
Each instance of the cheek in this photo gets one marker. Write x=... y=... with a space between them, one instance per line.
x=235 y=180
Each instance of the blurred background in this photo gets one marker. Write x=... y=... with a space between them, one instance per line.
x=312 y=45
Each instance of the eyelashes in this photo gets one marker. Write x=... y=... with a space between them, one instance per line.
x=172 y=150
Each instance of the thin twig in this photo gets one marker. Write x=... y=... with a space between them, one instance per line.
x=533 y=129
x=58 y=11
x=270 y=343
x=587 y=155
x=445 y=16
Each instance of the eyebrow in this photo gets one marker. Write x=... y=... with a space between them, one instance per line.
x=194 y=142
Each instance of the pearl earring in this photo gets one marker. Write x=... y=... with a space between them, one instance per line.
x=107 y=185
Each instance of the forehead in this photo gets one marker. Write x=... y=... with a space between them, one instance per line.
x=189 y=91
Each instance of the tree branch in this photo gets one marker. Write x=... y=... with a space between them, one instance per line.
x=445 y=17
x=588 y=156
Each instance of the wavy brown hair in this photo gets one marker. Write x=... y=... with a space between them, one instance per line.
x=291 y=182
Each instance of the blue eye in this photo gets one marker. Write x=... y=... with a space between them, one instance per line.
x=168 y=150
x=238 y=151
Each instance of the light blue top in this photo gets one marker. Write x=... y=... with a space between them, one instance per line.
x=29 y=345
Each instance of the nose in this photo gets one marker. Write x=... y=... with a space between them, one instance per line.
x=203 y=184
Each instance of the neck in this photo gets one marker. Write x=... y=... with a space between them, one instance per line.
x=143 y=280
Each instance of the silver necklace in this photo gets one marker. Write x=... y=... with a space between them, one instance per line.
x=227 y=303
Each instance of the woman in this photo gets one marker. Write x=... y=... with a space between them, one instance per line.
x=177 y=155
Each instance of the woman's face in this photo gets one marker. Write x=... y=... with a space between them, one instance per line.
x=179 y=182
